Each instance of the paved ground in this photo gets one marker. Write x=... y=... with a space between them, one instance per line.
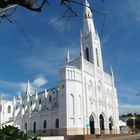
x=131 y=137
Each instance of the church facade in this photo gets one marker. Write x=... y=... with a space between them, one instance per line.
x=83 y=102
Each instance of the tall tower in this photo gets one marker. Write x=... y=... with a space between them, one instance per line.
x=90 y=39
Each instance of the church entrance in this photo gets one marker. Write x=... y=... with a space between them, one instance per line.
x=92 y=125
x=110 y=124
x=101 y=118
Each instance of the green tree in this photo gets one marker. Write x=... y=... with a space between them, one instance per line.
x=13 y=133
x=130 y=122
x=138 y=123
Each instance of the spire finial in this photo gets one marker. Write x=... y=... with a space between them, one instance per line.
x=68 y=56
x=87 y=9
x=28 y=88
x=81 y=46
x=14 y=100
x=111 y=70
x=86 y=3
x=45 y=90
x=36 y=95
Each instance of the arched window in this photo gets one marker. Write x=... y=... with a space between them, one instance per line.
x=71 y=102
x=45 y=124
x=87 y=54
x=39 y=101
x=31 y=103
x=50 y=98
x=57 y=123
x=92 y=124
x=34 y=127
x=101 y=118
x=110 y=123
x=9 y=109
x=25 y=126
x=97 y=57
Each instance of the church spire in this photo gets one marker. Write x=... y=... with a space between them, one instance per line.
x=90 y=39
x=88 y=24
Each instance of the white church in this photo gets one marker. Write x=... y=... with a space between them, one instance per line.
x=83 y=102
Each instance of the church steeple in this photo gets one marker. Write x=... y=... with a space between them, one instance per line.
x=90 y=39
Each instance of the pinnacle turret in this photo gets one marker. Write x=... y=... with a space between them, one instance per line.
x=28 y=90
x=68 y=56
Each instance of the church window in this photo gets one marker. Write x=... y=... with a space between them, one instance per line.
x=87 y=54
x=50 y=98
x=25 y=126
x=9 y=109
x=71 y=104
x=34 y=127
x=31 y=103
x=39 y=101
x=97 y=57
x=23 y=106
x=57 y=123
x=45 y=124
x=63 y=86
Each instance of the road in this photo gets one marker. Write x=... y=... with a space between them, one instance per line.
x=131 y=137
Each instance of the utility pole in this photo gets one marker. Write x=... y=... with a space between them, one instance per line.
x=134 y=123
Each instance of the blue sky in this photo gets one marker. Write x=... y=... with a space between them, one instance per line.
x=39 y=57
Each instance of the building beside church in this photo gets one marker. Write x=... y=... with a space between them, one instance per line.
x=83 y=102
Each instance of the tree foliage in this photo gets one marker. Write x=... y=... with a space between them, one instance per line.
x=29 y=4
x=13 y=133
x=37 y=5
x=131 y=122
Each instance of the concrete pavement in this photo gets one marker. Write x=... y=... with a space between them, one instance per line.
x=130 y=137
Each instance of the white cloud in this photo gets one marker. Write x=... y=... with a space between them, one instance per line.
x=40 y=81
x=23 y=86
x=36 y=84
x=60 y=23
